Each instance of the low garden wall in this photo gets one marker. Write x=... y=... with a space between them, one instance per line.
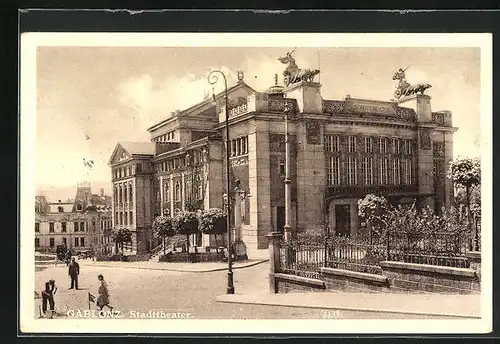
x=183 y=257
x=431 y=278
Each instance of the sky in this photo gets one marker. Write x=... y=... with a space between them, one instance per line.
x=90 y=98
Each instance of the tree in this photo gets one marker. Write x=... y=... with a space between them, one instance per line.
x=162 y=228
x=373 y=209
x=121 y=236
x=185 y=222
x=213 y=221
x=466 y=173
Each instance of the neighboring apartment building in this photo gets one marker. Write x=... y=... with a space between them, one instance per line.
x=82 y=224
x=341 y=151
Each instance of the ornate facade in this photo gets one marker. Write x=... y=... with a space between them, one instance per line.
x=82 y=224
x=340 y=151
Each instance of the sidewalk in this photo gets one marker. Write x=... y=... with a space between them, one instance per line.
x=426 y=305
x=179 y=267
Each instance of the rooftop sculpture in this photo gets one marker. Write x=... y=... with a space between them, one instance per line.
x=404 y=88
x=293 y=74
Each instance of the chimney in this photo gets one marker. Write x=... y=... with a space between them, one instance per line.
x=59 y=201
x=102 y=192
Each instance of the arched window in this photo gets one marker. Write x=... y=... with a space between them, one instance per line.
x=166 y=195
x=177 y=191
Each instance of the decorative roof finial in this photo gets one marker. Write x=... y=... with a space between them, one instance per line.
x=240 y=76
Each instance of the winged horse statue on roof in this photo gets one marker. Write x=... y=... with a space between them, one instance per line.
x=403 y=88
x=293 y=73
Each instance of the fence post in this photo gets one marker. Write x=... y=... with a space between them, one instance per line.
x=274 y=239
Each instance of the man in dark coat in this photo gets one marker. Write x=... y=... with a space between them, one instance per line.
x=73 y=272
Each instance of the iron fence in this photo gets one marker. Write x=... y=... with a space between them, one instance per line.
x=363 y=253
x=437 y=248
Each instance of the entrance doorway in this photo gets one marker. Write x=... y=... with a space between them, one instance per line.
x=280 y=219
x=343 y=219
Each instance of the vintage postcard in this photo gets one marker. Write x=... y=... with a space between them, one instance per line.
x=281 y=183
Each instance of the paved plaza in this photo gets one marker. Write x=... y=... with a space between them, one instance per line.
x=149 y=289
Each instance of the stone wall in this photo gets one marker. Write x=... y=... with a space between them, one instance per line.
x=431 y=278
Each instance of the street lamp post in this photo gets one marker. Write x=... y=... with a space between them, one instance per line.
x=288 y=182
x=212 y=79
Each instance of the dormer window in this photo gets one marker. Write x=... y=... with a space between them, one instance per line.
x=60 y=209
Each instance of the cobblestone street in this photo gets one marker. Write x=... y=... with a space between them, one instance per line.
x=143 y=290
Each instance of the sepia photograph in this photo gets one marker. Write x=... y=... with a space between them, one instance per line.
x=278 y=183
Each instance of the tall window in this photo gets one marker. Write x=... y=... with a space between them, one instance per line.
x=383 y=171
x=396 y=171
x=63 y=227
x=51 y=227
x=351 y=170
x=407 y=147
x=77 y=242
x=51 y=242
x=117 y=219
x=120 y=194
x=332 y=143
x=82 y=242
x=177 y=191
x=351 y=144
x=407 y=171
x=125 y=219
x=130 y=192
x=239 y=146
x=121 y=218
x=383 y=145
x=37 y=227
x=333 y=171
x=131 y=218
x=368 y=145
x=93 y=226
x=65 y=241
x=124 y=193
x=37 y=242
x=396 y=149
x=367 y=170
x=82 y=226
x=75 y=226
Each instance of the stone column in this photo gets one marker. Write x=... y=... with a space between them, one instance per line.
x=171 y=195
x=161 y=195
x=237 y=214
x=183 y=192
x=274 y=239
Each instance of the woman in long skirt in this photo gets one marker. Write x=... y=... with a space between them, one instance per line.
x=103 y=298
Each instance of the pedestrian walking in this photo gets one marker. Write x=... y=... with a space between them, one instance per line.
x=48 y=297
x=73 y=272
x=103 y=298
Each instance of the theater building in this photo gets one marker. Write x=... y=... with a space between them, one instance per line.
x=341 y=150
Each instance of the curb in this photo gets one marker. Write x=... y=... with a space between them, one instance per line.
x=226 y=299
x=181 y=270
